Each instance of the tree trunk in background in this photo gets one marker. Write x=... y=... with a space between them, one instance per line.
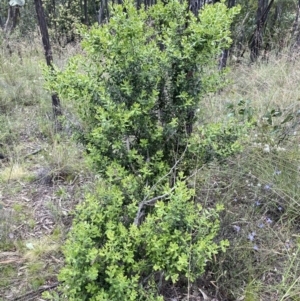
x=85 y=8
x=225 y=52
x=103 y=15
x=257 y=36
x=261 y=18
x=12 y=18
x=296 y=29
x=298 y=34
x=48 y=55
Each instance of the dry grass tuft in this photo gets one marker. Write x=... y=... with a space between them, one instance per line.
x=260 y=187
x=37 y=249
x=266 y=85
x=14 y=172
x=34 y=214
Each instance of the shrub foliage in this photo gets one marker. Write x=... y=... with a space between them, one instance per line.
x=138 y=86
x=108 y=257
x=141 y=80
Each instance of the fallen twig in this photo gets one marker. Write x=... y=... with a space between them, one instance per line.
x=33 y=294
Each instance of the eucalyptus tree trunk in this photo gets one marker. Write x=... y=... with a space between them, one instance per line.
x=257 y=36
x=48 y=55
x=103 y=13
x=85 y=9
x=256 y=40
x=13 y=15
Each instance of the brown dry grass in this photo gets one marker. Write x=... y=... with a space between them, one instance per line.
x=41 y=179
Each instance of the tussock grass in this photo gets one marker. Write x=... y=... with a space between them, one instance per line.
x=20 y=81
x=260 y=220
x=266 y=85
x=34 y=214
x=13 y=172
x=41 y=248
x=259 y=187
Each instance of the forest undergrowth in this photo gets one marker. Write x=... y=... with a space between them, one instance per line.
x=44 y=175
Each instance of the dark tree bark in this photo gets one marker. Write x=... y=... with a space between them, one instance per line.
x=103 y=13
x=107 y=9
x=223 y=59
x=256 y=40
x=231 y=3
x=15 y=15
x=48 y=55
x=85 y=8
x=257 y=36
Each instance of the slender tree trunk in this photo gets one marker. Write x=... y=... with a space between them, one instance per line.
x=107 y=10
x=225 y=52
x=85 y=8
x=16 y=15
x=1 y=23
x=101 y=15
x=296 y=29
x=48 y=55
x=298 y=34
x=257 y=36
x=9 y=16
x=256 y=40
x=12 y=19
x=223 y=59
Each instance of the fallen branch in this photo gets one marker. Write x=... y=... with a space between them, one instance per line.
x=33 y=294
x=33 y=153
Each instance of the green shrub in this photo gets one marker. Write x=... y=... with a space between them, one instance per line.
x=108 y=257
x=138 y=87
x=141 y=79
